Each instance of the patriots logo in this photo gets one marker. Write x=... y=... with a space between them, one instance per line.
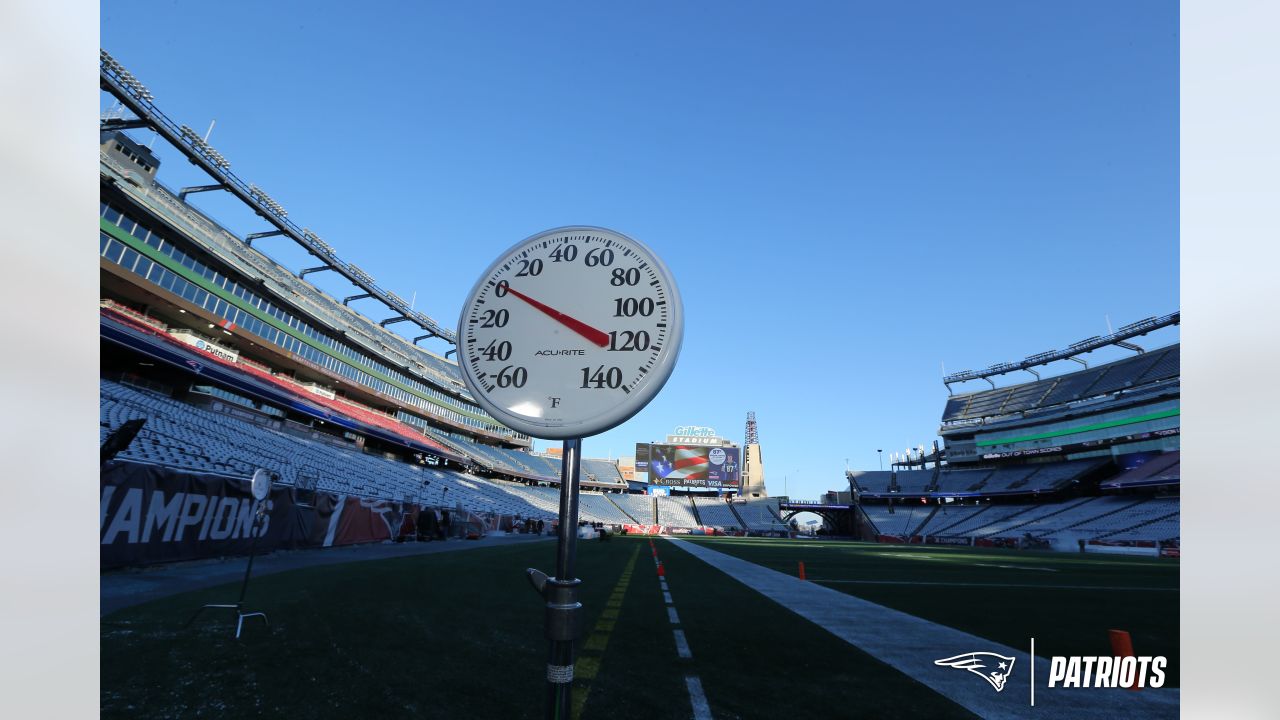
x=991 y=667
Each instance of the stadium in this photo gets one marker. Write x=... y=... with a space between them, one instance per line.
x=400 y=516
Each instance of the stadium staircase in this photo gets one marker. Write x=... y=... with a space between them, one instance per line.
x=630 y=509
x=693 y=508
x=982 y=482
x=916 y=530
x=1031 y=510
x=621 y=509
x=867 y=519
x=1094 y=518
x=1025 y=480
x=960 y=521
x=1145 y=523
x=997 y=515
x=935 y=484
x=741 y=523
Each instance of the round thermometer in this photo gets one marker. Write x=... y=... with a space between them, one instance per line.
x=260 y=485
x=570 y=332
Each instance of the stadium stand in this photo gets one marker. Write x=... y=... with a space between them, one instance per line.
x=1164 y=469
x=676 y=511
x=1122 y=514
x=717 y=513
x=639 y=507
x=900 y=520
x=184 y=436
x=600 y=471
x=948 y=516
x=1112 y=377
x=599 y=507
x=1107 y=517
x=960 y=480
x=760 y=515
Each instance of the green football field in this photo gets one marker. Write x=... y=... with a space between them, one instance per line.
x=459 y=635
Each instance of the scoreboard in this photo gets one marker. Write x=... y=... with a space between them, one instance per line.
x=689 y=466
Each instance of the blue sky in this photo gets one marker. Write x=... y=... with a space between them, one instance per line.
x=851 y=195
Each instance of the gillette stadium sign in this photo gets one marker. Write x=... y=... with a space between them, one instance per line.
x=695 y=435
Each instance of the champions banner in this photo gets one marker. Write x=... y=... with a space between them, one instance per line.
x=149 y=514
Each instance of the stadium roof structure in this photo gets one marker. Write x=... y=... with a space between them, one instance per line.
x=1118 y=338
x=118 y=81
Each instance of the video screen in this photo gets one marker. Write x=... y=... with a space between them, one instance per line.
x=692 y=466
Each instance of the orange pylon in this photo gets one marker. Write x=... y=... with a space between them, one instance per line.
x=802 y=577
x=1122 y=646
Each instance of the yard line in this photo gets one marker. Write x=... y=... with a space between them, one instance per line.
x=701 y=709
x=697 y=698
x=990 y=585
x=1014 y=567
x=595 y=645
x=682 y=644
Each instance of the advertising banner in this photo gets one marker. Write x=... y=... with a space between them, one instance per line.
x=946 y=540
x=150 y=514
x=634 y=529
x=642 y=461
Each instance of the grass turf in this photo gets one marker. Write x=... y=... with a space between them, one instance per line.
x=1067 y=602
x=459 y=635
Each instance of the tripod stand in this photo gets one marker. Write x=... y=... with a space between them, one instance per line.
x=238 y=606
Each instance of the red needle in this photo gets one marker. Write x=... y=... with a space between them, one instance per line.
x=583 y=329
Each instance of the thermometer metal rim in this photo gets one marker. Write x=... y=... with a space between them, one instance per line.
x=629 y=404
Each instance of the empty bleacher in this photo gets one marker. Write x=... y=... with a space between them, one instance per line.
x=1164 y=469
x=676 y=512
x=760 y=515
x=900 y=520
x=1107 y=517
x=1121 y=375
x=717 y=513
x=183 y=436
x=1117 y=515
x=1025 y=478
x=949 y=516
x=639 y=507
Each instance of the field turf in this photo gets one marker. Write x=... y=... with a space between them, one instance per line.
x=1066 y=601
x=459 y=635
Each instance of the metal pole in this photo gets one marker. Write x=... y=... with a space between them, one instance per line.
x=253 y=546
x=563 y=611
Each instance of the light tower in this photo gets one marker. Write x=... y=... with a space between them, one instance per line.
x=752 y=464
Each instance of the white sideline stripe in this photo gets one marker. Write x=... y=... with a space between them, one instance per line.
x=672 y=616
x=682 y=644
x=990 y=585
x=910 y=645
x=701 y=709
x=666 y=597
